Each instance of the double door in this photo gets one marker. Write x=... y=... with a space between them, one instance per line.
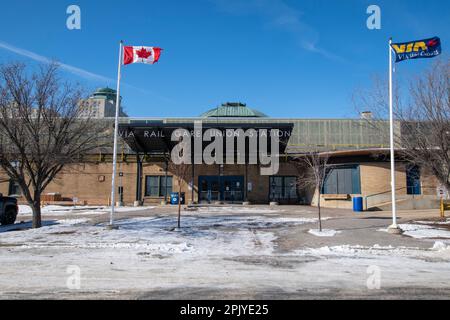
x=221 y=188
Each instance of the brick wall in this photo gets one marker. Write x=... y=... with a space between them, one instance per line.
x=91 y=182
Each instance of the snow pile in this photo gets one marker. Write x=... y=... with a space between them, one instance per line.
x=352 y=251
x=71 y=222
x=446 y=222
x=323 y=233
x=440 y=246
x=420 y=231
x=439 y=251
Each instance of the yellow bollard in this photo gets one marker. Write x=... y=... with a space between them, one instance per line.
x=445 y=206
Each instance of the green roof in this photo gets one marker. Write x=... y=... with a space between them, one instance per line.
x=107 y=93
x=233 y=110
x=105 y=90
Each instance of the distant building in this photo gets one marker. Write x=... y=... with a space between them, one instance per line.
x=101 y=104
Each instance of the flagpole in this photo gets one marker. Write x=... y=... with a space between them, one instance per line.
x=394 y=227
x=116 y=132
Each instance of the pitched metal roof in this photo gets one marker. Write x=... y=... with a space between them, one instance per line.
x=233 y=110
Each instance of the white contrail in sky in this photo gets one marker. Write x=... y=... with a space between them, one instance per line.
x=282 y=16
x=74 y=70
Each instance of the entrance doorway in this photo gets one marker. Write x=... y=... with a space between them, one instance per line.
x=221 y=188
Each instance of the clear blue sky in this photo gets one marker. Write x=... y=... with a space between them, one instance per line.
x=286 y=58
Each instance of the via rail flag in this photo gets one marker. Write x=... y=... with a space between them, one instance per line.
x=149 y=55
x=427 y=48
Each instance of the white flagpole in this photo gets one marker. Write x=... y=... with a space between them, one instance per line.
x=116 y=133
x=394 y=227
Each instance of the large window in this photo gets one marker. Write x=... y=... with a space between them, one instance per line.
x=342 y=180
x=14 y=189
x=283 y=188
x=413 y=184
x=155 y=186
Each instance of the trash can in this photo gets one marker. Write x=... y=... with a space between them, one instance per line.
x=358 y=204
x=182 y=198
x=174 y=198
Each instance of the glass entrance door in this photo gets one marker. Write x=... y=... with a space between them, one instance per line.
x=233 y=189
x=221 y=188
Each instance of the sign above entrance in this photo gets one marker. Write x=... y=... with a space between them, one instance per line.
x=210 y=143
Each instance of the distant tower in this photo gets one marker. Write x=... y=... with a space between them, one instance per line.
x=101 y=104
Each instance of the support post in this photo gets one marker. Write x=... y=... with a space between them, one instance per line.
x=116 y=132
x=246 y=183
x=165 y=179
x=193 y=183
x=394 y=227
x=138 y=178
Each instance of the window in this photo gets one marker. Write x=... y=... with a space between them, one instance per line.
x=14 y=189
x=283 y=188
x=342 y=180
x=162 y=183
x=413 y=184
x=155 y=186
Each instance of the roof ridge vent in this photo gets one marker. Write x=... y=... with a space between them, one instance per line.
x=234 y=104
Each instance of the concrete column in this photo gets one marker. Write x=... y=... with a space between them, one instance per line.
x=138 y=178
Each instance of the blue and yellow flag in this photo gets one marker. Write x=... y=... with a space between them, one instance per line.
x=427 y=48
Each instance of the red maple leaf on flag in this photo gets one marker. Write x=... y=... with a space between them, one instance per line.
x=143 y=53
x=432 y=42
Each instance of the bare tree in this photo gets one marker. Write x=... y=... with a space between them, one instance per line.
x=422 y=113
x=181 y=172
x=313 y=169
x=41 y=130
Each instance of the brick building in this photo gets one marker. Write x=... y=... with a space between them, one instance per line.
x=359 y=158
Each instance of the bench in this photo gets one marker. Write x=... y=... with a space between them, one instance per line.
x=335 y=196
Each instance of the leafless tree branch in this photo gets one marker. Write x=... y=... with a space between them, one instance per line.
x=41 y=128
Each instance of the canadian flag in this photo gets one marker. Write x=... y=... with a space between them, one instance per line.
x=141 y=55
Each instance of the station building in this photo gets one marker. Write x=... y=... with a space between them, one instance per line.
x=359 y=166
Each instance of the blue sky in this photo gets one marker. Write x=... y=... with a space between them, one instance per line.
x=285 y=58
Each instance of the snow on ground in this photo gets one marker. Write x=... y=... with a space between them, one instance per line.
x=439 y=249
x=446 y=222
x=205 y=235
x=72 y=222
x=323 y=233
x=211 y=252
x=421 y=231
x=56 y=210
x=439 y=245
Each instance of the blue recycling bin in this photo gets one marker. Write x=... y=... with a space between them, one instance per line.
x=358 y=204
x=174 y=198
